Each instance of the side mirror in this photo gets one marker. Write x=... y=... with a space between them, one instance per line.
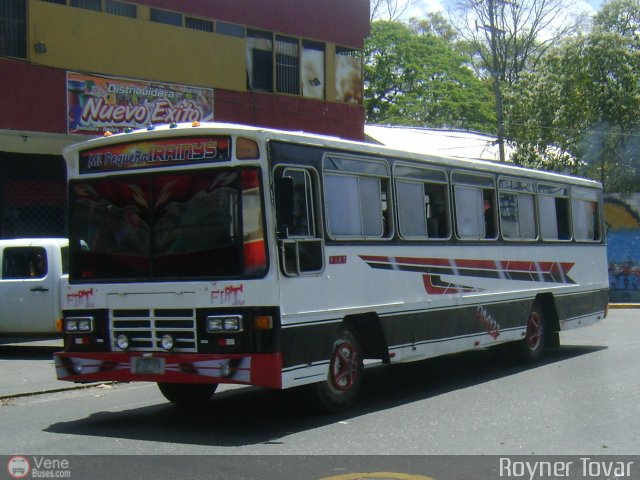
x=284 y=204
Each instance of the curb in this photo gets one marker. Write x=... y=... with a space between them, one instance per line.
x=624 y=305
x=53 y=390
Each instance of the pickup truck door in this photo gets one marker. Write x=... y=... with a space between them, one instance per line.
x=28 y=290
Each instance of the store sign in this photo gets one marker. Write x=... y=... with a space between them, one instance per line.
x=156 y=153
x=97 y=103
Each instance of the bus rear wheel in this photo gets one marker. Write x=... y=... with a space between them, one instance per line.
x=340 y=389
x=188 y=393
x=531 y=346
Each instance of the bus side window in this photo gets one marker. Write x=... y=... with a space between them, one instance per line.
x=564 y=219
x=475 y=206
x=489 y=208
x=468 y=212
x=585 y=214
x=422 y=202
x=475 y=213
x=517 y=209
x=436 y=210
x=302 y=250
x=553 y=204
x=303 y=224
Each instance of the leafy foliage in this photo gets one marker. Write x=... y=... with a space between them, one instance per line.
x=417 y=78
x=571 y=90
x=583 y=101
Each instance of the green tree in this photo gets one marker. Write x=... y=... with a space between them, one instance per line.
x=622 y=17
x=434 y=23
x=505 y=38
x=580 y=110
x=413 y=78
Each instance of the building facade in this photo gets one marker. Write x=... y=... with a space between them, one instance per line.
x=71 y=69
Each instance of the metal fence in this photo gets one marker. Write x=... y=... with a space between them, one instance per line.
x=32 y=196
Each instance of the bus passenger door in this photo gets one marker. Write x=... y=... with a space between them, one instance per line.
x=301 y=248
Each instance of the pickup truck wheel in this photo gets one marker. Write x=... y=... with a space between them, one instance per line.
x=344 y=377
x=187 y=393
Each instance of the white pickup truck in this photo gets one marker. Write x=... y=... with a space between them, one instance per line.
x=34 y=274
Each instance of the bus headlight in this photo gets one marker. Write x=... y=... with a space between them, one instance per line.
x=224 y=323
x=78 y=325
x=166 y=342
x=232 y=324
x=122 y=342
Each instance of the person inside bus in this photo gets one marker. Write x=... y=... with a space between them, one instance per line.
x=301 y=225
x=489 y=220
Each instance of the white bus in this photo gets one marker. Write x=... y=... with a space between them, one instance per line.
x=213 y=253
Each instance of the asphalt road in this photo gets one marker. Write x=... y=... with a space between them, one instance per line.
x=583 y=399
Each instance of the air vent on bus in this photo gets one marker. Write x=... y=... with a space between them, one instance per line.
x=144 y=329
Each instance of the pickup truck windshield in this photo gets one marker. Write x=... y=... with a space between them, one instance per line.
x=160 y=226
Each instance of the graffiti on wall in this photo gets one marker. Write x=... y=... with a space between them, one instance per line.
x=622 y=215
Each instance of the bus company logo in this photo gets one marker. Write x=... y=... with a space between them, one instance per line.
x=18 y=467
x=490 y=323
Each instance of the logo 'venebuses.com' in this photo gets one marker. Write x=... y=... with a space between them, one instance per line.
x=18 y=467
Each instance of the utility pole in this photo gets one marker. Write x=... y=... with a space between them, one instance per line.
x=496 y=77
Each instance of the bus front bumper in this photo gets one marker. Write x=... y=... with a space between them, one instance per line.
x=249 y=369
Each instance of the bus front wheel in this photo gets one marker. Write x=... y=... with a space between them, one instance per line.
x=340 y=389
x=187 y=393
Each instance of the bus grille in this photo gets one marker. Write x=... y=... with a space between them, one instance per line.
x=145 y=328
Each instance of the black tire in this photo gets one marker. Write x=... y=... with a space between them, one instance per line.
x=344 y=377
x=188 y=393
x=530 y=348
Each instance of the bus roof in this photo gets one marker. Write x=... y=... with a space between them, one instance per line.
x=317 y=140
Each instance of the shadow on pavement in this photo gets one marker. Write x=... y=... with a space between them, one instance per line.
x=28 y=352
x=251 y=416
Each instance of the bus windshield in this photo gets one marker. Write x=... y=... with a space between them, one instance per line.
x=159 y=226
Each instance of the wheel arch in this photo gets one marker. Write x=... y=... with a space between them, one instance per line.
x=368 y=327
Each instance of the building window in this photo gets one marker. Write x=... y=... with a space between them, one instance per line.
x=230 y=29
x=287 y=68
x=348 y=75
x=198 y=24
x=165 y=16
x=13 y=33
x=115 y=7
x=87 y=4
x=312 y=62
x=260 y=61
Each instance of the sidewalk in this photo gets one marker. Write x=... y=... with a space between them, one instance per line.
x=27 y=368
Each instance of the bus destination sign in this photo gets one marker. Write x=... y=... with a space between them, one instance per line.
x=155 y=153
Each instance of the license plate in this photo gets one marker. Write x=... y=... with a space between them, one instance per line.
x=147 y=365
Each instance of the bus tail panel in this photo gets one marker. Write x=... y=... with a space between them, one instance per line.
x=258 y=369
